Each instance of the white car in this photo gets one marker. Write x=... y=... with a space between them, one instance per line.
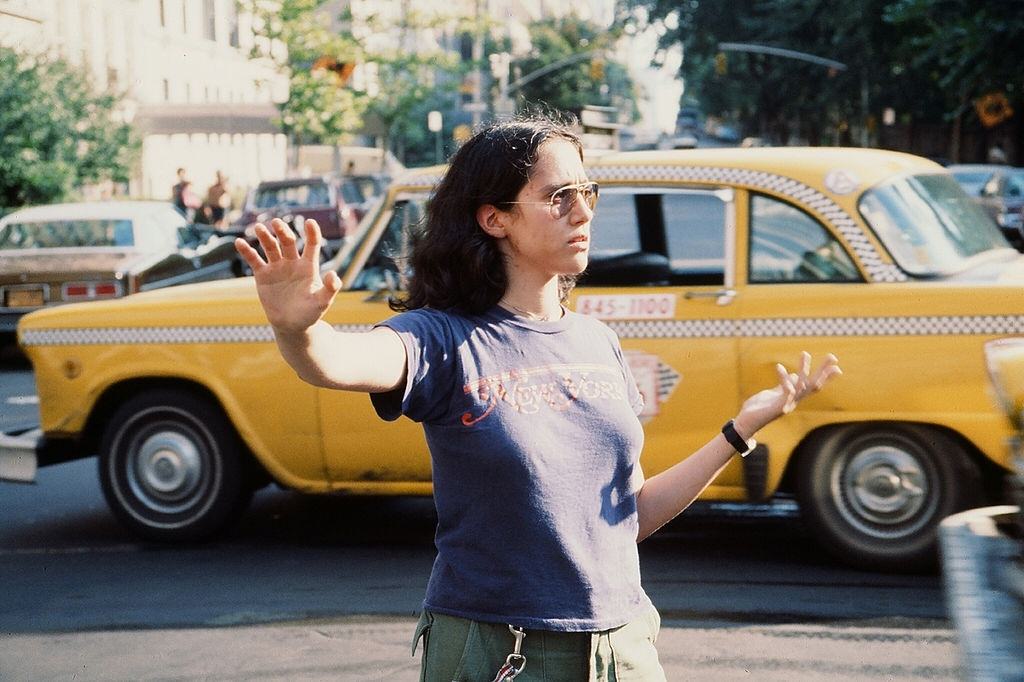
x=65 y=253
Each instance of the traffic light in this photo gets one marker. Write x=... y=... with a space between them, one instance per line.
x=342 y=70
x=993 y=108
x=597 y=68
x=721 y=64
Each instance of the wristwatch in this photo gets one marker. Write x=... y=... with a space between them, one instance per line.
x=743 y=447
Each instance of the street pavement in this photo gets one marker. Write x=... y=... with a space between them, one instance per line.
x=378 y=648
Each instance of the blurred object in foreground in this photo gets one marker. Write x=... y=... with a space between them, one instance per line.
x=981 y=567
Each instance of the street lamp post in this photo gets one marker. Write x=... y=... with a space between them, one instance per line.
x=500 y=65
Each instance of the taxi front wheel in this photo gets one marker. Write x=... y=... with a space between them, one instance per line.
x=171 y=466
x=874 y=494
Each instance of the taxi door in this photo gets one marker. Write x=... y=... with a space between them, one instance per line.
x=362 y=452
x=662 y=275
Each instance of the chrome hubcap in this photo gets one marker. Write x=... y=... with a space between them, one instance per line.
x=883 y=490
x=167 y=471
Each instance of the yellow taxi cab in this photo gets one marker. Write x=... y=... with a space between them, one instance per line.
x=710 y=264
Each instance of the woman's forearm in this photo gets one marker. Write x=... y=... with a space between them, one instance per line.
x=371 y=361
x=664 y=496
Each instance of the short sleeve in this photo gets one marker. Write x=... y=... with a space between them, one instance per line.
x=425 y=397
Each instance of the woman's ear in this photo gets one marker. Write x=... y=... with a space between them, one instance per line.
x=492 y=220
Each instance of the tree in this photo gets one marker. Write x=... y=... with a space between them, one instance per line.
x=317 y=59
x=929 y=60
x=591 y=80
x=324 y=105
x=408 y=77
x=56 y=134
x=965 y=49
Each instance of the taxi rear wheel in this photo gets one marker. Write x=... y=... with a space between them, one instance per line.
x=171 y=466
x=874 y=495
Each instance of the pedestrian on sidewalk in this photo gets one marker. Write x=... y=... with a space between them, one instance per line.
x=529 y=411
x=218 y=199
x=184 y=197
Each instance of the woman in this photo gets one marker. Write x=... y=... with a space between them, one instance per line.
x=529 y=412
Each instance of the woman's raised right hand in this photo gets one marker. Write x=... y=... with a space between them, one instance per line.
x=291 y=290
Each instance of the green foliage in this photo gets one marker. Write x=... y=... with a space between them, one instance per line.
x=964 y=48
x=409 y=83
x=592 y=80
x=322 y=109
x=319 y=108
x=56 y=134
x=923 y=58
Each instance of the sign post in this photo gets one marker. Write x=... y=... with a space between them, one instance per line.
x=434 y=125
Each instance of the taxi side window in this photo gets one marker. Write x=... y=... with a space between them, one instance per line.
x=649 y=236
x=382 y=267
x=788 y=245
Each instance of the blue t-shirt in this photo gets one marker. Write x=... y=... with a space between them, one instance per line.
x=535 y=443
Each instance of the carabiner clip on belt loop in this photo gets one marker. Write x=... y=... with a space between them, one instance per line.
x=515 y=662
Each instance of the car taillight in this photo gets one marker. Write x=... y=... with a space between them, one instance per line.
x=88 y=291
x=106 y=289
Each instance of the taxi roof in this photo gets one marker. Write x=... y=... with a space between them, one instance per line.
x=808 y=164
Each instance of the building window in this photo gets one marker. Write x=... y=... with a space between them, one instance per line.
x=233 y=38
x=209 y=20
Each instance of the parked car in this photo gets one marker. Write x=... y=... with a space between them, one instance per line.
x=64 y=253
x=712 y=265
x=1000 y=191
x=337 y=202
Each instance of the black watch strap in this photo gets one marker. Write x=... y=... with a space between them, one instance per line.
x=736 y=440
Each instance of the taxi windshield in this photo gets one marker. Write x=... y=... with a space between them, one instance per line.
x=929 y=224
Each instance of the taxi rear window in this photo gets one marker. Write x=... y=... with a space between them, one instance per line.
x=686 y=227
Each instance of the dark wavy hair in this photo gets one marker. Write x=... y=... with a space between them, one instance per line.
x=455 y=264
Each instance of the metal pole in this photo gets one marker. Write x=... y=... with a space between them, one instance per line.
x=553 y=66
x=478 y=55
x=781 y=52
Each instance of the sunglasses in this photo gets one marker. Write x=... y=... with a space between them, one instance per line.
x=563 y=199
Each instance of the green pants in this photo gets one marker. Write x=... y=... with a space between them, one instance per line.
x=460 y=650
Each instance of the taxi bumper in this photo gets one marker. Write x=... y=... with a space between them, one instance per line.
x=23 y=452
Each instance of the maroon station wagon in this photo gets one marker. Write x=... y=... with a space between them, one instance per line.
x=336 y=202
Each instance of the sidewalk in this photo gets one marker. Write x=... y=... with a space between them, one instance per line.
x=368 y=648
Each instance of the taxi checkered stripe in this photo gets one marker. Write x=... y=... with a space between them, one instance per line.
x=838 y=326
x=866 y=253
x=635 y=329
x=157 y=335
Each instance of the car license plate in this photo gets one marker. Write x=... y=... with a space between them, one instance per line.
x=25 y=298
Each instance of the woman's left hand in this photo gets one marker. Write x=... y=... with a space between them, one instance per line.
x=768 y=405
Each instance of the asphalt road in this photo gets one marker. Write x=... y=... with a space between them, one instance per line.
x=329 y=587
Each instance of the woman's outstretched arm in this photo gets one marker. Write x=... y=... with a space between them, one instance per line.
x=664 y=496
x=295 y=298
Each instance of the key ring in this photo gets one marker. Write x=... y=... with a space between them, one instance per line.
x=515 y=661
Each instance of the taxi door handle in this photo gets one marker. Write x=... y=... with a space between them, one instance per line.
x=721 y=296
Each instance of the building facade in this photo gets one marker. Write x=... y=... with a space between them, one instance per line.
x=190 y=88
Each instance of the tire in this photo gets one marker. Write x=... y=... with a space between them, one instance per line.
x=171 y=466
x=874 y=495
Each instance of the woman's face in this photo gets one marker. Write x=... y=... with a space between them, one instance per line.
x=540 y=244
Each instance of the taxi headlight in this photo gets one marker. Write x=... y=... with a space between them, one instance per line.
x=1005 y=361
